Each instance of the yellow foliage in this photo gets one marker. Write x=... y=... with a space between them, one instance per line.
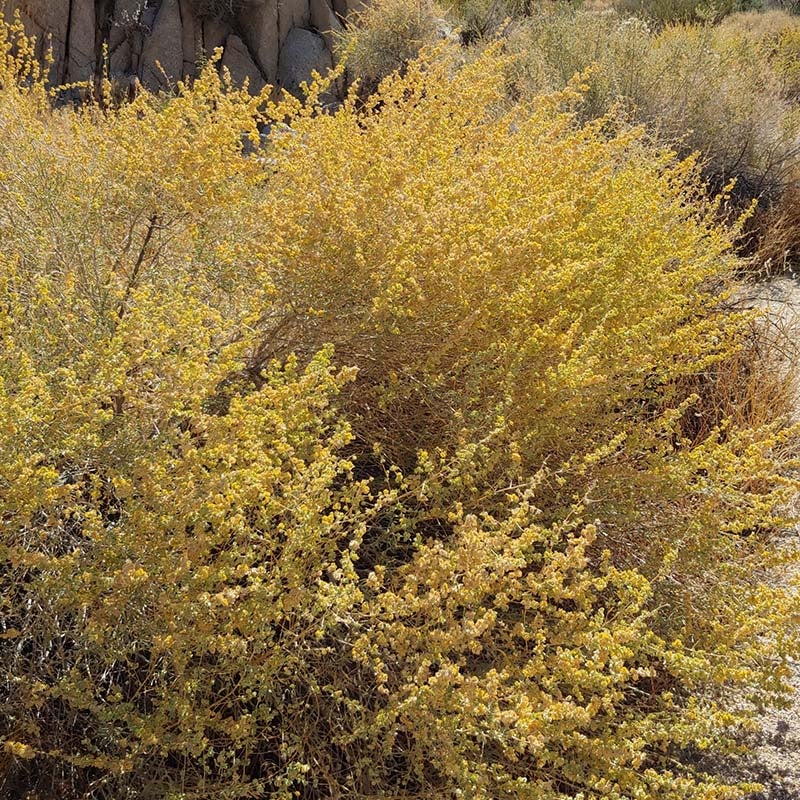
x=363 y=462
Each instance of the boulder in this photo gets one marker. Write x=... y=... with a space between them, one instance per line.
x=292 y=14
x=120 y=58
x=125 y=36
x=125 y=18
x=192 y=39
x=265 y=26
x=81 y=57
x=237 y=59
x=258 y=22
x=302 y=52
x=48 y=21
x=161 y=41
x=344 y=8
x=162 y=53
x=215 y=34
x=324 y=21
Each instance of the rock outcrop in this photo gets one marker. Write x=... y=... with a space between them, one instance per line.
x=162 y=54
x=159 y=42
x=302 y=52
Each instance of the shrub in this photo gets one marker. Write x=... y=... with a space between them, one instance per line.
x=555 y=46
x=668 y=12
x=777 y=36
x=480 y=547
x=718 y=91
x=481 y=19
x=664 y=12
x=385 y=36
x=559 y=387
x=778 y=247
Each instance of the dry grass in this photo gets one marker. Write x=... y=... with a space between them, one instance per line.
x=753 y=387
x=385 y=36
x=217 y=9
x=778 y=246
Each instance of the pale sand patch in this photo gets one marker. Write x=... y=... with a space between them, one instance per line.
x=775 y=759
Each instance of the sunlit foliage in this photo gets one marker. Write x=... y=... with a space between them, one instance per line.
x=719 y=90
x=387 y=457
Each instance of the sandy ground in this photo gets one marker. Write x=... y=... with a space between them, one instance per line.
x=775 y=759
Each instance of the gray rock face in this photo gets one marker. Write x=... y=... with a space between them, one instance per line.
x=215 y=32
x=48 y=21
x=344 y=8
x=268 y=41
x=260 y=29
x=292 y=14
x=162 y=54
x=125 y=36
x=325 y=22
x=81 y=63
x=302 y=52
x=238 y=61
x=192 y=38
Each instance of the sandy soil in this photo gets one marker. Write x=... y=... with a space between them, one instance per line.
x=775 y=759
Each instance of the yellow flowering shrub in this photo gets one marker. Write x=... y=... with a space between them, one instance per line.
x=372 y=459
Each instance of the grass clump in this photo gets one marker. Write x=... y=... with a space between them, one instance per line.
x=217 y=9
x=384 y=36
x=369 y=463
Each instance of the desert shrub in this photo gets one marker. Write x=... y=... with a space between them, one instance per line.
x=786 y=61
x=741 y=125
x=385 y=36
x=664 y=12
x=476 y=18
x=759 y=27
x=555 y=46
x=668 y=12
x=549 y=384
x=778 y=246
x=365 y=463
x=719 y=91
x=481 y=19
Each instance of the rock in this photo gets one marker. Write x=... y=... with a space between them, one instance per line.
x=192 y=39
x=215 y=34
x=240 y=64
x=125 y=36
x=147 y=16
x=325 y=21
x=120 y=58
x=302 y=52
x=124 y=16
x=129 y=16
x=48 y=21
x=164 y=47
x=265 y=26
x=140 y=34
x=292 y=14
x=344 y=8
x=131 y=22
x=80 y=47
x=258 y=22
